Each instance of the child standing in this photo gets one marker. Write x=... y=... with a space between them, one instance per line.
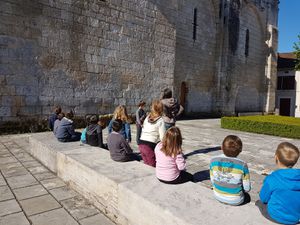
x=170 y=163
x=229 y=175
x=119 y=148
x=280 y=193
x=121 y=114
x=140 y=117
x=153 y=132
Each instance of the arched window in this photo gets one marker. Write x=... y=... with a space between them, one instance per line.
x=247 y=43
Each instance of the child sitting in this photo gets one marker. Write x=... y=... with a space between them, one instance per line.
x=120 y=113
x=53 y=117
x=119 y=148
x=65 y=131
x=229 y=175
x=280 y=193
x=57 y=122
x=170 y=163
x=94 y=133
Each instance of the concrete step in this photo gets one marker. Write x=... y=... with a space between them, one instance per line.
x=129 y=193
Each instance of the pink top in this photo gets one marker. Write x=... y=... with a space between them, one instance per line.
x=168 y=168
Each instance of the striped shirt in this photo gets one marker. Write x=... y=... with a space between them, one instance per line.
x=230 y=179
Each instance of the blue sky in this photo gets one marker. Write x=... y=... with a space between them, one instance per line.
x=288 y=24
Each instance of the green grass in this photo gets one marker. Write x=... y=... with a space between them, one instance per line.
x=283 y=126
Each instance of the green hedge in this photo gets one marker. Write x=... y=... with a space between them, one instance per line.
x=283 y=126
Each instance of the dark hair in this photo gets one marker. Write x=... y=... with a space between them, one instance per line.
x=57 y=110
x=232 y=146
x=117 y=125
x=166 y=93
x=60 y=116
x=70 y=114
x=94 y=119
x=141 y=103
x=287 y=154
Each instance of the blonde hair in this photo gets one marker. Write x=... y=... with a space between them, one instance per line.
x=172 y=141
x=287 y=154
x=121 y=113
x=156 y=110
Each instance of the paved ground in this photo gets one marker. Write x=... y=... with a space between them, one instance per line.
x=202 y=140
x=31 y=194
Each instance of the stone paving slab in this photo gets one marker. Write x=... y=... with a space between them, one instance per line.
x=14 y=219
x=21 y=181
x=44 y=176
x=5 y=193
x=53 y=183
x=30 y=192
x=62 y=193
x=37 y=169
x=96 y=220
x=79 y=207
x=14 y=171
x=2 y=181
x=9 y=207
x=39 y=204
x=54 y=217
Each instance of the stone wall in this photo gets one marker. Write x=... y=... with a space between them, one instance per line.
x=88 y=55
x=92 y=55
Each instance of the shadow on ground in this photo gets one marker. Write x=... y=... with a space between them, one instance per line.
x=202 y=151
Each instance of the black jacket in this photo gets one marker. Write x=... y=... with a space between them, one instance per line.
x=94 y=135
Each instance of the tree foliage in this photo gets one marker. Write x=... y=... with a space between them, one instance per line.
x=297 y=53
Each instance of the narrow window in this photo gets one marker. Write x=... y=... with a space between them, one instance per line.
x=220 y=9
x=247 y=43
x=195 y=25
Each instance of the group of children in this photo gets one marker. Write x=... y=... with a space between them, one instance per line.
x=160 y=145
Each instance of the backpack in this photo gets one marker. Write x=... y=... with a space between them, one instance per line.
x=92 y=137
x=172 y=111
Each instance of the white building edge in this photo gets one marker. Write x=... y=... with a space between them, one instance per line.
x=288 y=86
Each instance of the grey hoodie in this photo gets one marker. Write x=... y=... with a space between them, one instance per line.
x=65 y=129
x=172 y=109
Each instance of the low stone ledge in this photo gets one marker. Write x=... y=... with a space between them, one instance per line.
x=130 y=194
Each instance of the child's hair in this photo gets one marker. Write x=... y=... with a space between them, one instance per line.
x=57 y=109
x=121 y=113
x=166 y=93
x=141 y=103
x=94 y=119
x=117 y=125
x=287 y=154
x=87 y=119
x=172 y=141
x=70 y=114
x=102 y=123
x=156 y=109
x=232 y=146
x=60 y=116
